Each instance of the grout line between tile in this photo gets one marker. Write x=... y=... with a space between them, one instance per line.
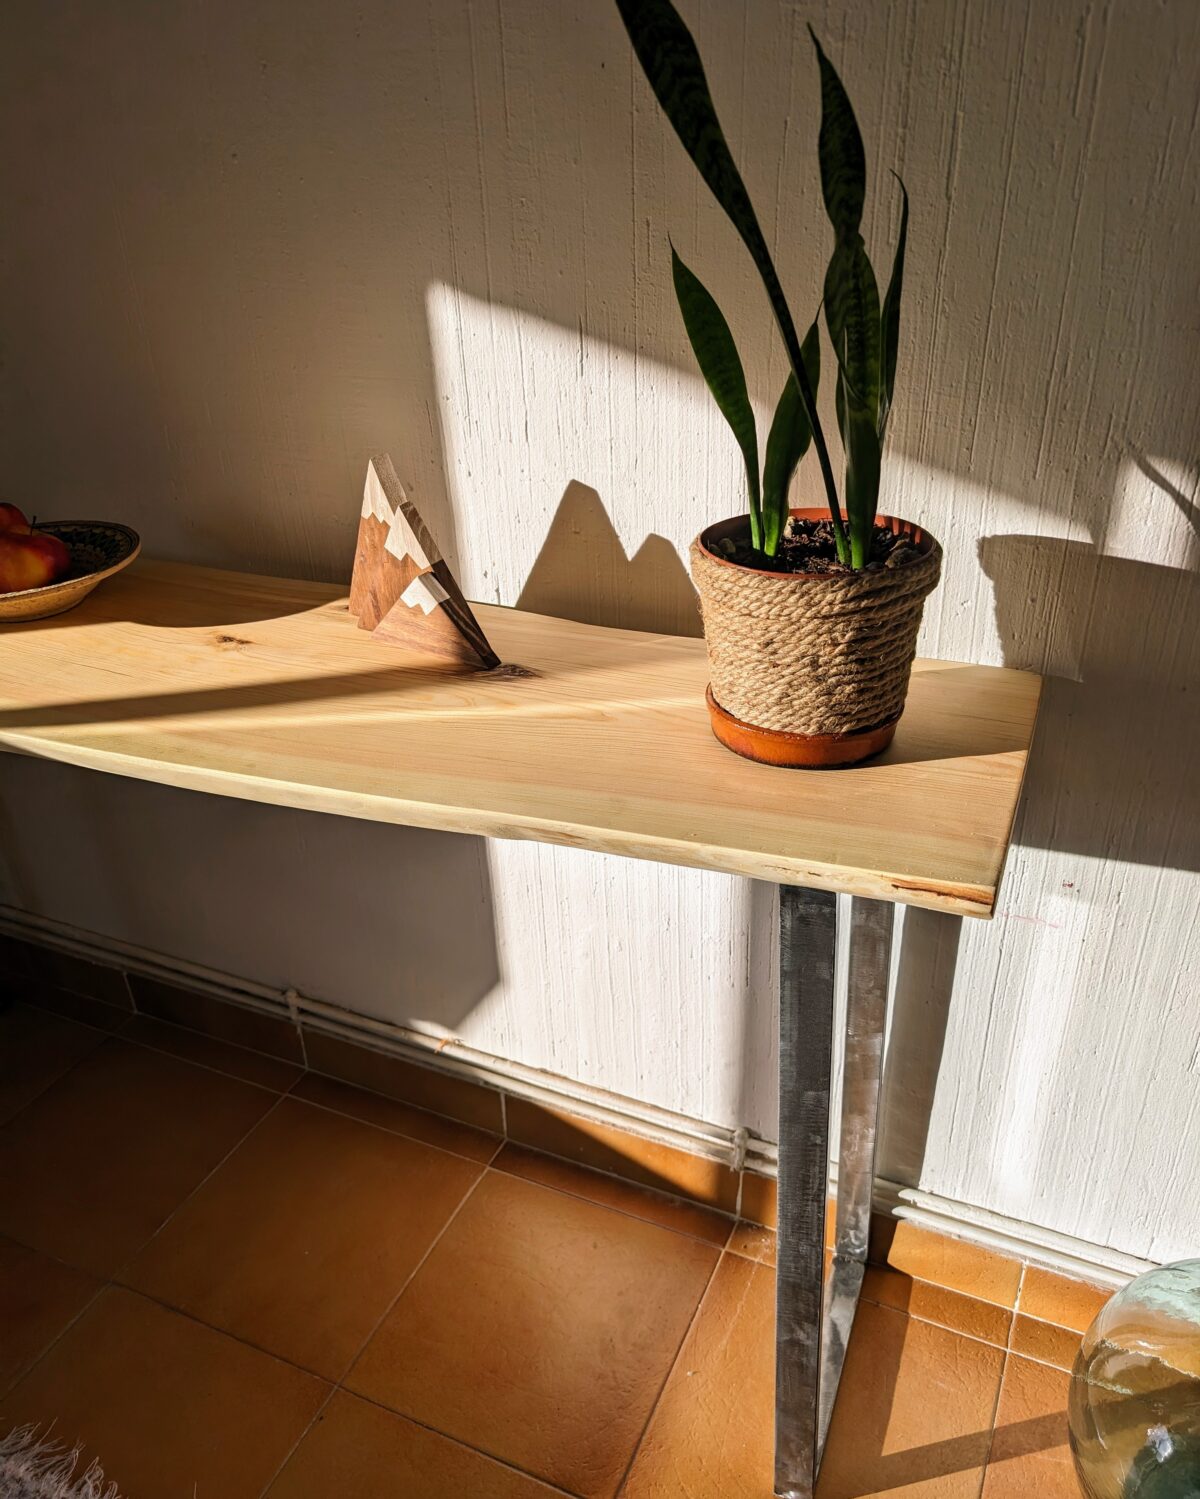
x=1006 y=1347
x=17 y=1003
x=1016 y=1307
x=625 y=1181
x=403 y=1103
x=398 y=1134
x=500 y=1462
x=8 y=1389
x=1046 y=1321
x=54 y=1081
x=1032 y=1358
x=291 y=1452
x=761 y=1228
x=687 y=1332
x=339 y=1383
x=416 y=1270
x=207 y=1066
x=987 y=1461
x=99 y=1004
x=928 y=1321
x=126 y=1265
x=669 y=1228
x=292 y=999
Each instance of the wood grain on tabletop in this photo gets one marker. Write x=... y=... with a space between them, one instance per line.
x=263 y=688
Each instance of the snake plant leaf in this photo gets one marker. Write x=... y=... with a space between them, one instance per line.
x=891 y=317
x=717 y=355
x=852 y=315
x=862 y=480
x=672 y=65
x=791 y=433
x=840 y=150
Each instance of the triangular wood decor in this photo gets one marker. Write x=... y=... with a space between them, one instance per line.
x=401 y=589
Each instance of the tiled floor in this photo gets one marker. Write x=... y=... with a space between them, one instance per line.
x=230 y=1278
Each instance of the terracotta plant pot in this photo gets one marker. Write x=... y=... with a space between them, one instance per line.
x=810 y=669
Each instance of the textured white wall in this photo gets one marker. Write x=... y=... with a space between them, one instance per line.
x=246 y=245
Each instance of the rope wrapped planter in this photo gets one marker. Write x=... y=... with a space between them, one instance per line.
x=817 y=663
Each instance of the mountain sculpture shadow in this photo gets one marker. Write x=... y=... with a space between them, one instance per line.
x=583 y=572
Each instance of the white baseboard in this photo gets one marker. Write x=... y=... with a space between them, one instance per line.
x=734 y=1148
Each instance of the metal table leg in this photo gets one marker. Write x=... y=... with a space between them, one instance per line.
x=813 y=1324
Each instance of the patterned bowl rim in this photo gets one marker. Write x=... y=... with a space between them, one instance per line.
x=133 y=545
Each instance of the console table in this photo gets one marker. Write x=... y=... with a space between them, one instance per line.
x=265 y=689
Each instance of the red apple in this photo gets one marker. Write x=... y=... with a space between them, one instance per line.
x=31 y=560
x=12 y=519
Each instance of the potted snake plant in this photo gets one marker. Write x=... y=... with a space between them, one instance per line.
x=810 y=615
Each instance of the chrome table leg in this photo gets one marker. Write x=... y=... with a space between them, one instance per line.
x=812 y=1324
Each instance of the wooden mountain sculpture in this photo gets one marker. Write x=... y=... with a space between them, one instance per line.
x=401 y=589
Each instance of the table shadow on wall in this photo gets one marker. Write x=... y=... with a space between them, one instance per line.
x=394 y=922
x=1111 y=774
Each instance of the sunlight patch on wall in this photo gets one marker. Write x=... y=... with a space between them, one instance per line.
x=1155 y=514
x=540 y=421
x=1034 y=1073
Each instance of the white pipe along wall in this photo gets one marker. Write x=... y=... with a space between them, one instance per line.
x=247 y=246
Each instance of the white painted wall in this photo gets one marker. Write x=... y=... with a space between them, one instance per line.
x=246 y=245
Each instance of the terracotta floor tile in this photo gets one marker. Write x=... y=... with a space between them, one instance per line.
x=643 y=1202
x=16 y=958
x=206 y=1051
x=1045 y=1342
x=358 y=1451
x=401 y=1118
x=239 y=1025
x=1058 y=1299
x=882 y=1232
x=760 y=1199
x=91 y=1168
x=753 y=1241
x=604 y=1148
x=169 y=1407
x=38 y=1298
x=1030 y=1456
x=540 y=1330
x=712 y=1432
x=954 y=1264
x=760 y=1205
x=423 y=1087
x=914 y=1411
x=80 y=976
x=965 y=1314
x=302 y=1239
x=80 y=1007
x=36 y=1047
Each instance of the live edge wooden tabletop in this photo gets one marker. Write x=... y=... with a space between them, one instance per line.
x=264 y=688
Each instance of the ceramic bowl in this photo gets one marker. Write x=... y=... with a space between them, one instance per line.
x=98 y=549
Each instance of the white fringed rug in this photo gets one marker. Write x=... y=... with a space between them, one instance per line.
x=33 y=1467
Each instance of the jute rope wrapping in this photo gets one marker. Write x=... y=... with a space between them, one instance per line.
x=812 y=653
